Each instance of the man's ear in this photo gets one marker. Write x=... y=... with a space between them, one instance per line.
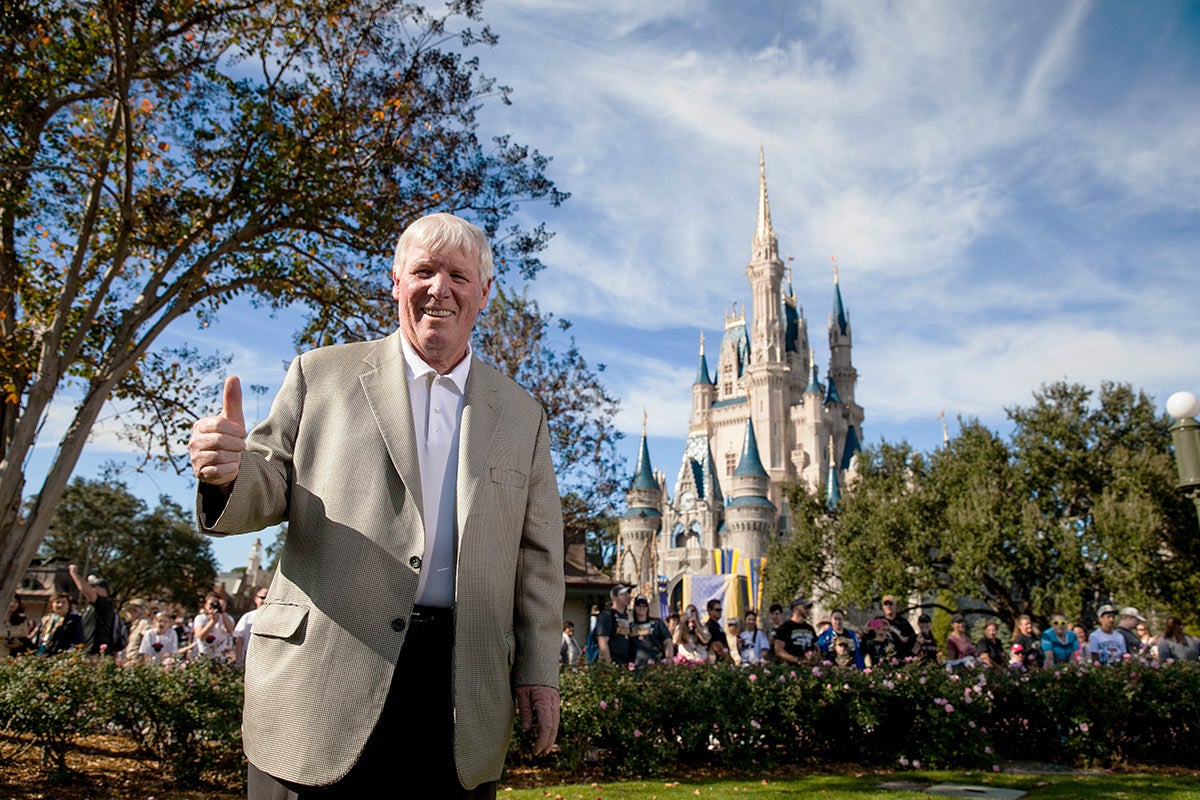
x=487 y=294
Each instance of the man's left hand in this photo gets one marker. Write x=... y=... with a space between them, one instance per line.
x=542 y=703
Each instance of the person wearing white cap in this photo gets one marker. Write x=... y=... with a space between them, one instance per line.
x=1105 y=644
x=1130 y=617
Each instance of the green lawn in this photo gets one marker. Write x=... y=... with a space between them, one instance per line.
x=852 y=787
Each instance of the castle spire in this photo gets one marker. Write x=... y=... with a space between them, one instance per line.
x=839 y=310
x=644 y=477
x=813 y=384
x=833 y=494
x=765 y=244
x=750 y=463
x=702 y=378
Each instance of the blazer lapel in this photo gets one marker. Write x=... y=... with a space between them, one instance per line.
x=386 y=386
x=481 y=416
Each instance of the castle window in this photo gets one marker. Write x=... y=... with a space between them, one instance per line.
x=730 y=463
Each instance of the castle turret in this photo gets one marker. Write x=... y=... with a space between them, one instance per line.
x=750 y=516
x=841 y=368
x=703 y=391
x=641 y=522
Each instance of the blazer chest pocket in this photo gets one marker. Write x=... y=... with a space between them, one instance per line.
x=280 y=621
x=507 y=477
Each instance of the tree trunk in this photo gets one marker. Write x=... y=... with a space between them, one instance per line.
x=21 y=537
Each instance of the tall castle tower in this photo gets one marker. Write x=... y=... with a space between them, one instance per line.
x=761 y=422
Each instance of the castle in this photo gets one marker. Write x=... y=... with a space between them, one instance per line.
x=761 y=422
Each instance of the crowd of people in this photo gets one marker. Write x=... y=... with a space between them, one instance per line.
x=143 y=632
x=888 y=638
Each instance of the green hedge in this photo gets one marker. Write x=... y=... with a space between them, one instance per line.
x=627 y=723
x=645 y=722
x=187 y=717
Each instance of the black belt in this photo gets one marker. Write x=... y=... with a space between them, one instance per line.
x=423 y=615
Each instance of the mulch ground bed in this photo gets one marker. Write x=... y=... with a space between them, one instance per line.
x=110 y=768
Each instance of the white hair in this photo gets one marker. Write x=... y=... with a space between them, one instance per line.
x=446 y=233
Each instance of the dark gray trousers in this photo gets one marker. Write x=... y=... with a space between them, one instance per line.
x=400 y=756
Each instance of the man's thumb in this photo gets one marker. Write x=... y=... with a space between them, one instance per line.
x=231 y=401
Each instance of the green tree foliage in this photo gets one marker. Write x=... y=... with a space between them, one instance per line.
x=158 y=159
x=153 y=553
x=1077 y=507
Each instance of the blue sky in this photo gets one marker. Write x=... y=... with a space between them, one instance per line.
x=1012 y=191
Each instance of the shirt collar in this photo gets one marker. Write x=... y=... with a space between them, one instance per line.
x=416 y=367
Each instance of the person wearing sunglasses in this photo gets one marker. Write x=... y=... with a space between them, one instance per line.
x=1059 y=642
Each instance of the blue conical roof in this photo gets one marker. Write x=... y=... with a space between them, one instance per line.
x=833 y=494
x=750 y=464
x=702 y=378
x=831 y=393
x=791 y=328
x=852 y=446
x=839 y=310
x=644 y=477
x=813 y=385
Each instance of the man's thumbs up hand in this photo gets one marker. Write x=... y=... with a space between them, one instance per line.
x=231 y=402
x=217 y=442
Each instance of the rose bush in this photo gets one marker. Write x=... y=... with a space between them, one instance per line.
x=649 y=721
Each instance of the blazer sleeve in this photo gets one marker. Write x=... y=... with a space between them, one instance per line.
x=540 y=585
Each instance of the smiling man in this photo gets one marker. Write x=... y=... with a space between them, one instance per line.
x=420 y=587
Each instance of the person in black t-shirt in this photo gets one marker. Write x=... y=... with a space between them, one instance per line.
x=612 y=628
x=650 y=639
x=926 y=648
x=796 y=640
x=718 y=643
x=99 y=618
x=899 y=628
x=992 y=651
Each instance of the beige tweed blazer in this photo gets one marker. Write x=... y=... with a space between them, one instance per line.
x=336 y=458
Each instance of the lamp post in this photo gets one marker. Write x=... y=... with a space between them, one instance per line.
x=1185 y=433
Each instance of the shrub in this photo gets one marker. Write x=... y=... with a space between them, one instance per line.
x=644 y=722
x=187 y=717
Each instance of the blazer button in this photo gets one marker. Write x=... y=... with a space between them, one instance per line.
x=415 y=562
x=398 y=625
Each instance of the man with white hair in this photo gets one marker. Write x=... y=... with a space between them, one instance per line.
x=420 y=588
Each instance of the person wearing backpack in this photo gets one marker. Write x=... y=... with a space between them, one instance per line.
x=612 y=628
x=100 y=618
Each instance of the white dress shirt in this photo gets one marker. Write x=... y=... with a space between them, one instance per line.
x=437 y=406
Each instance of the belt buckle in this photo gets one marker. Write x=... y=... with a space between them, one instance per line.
x=424 y=614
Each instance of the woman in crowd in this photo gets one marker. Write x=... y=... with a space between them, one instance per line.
x=753 y=644
x=61 y=629
x=1082 y=654
x=1176 y=644
x=990 y=648
x=691 y=640
x=214 y=631
x=18 y=630
x=959 y=649
x=1032 y=655
x=1059 y=642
